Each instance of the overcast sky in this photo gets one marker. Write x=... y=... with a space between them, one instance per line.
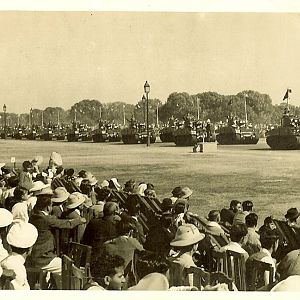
x=60 y=58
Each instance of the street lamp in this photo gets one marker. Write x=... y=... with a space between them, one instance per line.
x=144 y=106
x=147 y=91
x=4 y=117
x=30 y=117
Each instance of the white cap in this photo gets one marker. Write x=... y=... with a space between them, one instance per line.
x=22 y=235
x=6 y=217
x=38 y=185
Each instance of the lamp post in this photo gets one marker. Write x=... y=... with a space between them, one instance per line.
x=246 y=116
x=157 y=115
x=198 y=109
x=42 y=119
x=147 y=91
x=144 y=107
x=124 y=115
x=4 y=117
x=30 y=117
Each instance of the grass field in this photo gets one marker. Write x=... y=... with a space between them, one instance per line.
x=271 y=179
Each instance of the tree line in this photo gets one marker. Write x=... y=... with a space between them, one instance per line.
x=207 y=105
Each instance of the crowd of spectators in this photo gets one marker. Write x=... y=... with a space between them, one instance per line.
x=34 y=202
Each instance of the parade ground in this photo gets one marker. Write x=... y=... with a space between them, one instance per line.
x=270 y=179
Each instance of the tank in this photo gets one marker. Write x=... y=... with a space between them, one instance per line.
x=287 y=135
x=85 y=133
x=31 y=133
x=113 y=133
x=236 y=132
x=189 y=133
x=73 y=133
x=48 y=134
x=99 y=135
x=166 y=134
x=136 y=133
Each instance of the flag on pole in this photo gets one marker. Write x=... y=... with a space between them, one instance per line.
x=286 y=96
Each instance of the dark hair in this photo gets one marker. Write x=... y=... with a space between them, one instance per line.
x=19 y=250
x=213 y=215
x=59 y=170
x=133 y=204
x=85 y=187
x=9 y=202
x=105 y=265
x=177 y=191
x=268 y=239
x=109 y=208
x=124 y=226
x=42 y=202
x=150 y=262
x=268 y=220
x=150 y=186
x=102 y=194
x=251 y=220
x=13 y=181
x=19 y=192
x=82 y=173
x=166 y=204
x=27 y=164
x=234 y=203
x=237 y=232
x=247 y=205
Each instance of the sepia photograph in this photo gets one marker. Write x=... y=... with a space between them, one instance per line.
x=149 y=148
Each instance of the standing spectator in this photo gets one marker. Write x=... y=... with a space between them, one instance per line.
x=25 y=177
x=129 y=186
x=43 y=254
x=21 y=237
x=213 y=226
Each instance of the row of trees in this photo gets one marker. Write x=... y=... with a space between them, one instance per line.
x=208 y=105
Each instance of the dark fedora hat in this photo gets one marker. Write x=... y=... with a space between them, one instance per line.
x=292 y=213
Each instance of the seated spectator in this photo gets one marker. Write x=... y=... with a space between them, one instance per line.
x=251 y=241
x=100 y=230
x=213 y=226
x=133 y=210
x=176 y=193
x=43 y=255
x=141 y=189
x=291 y=217
x=160 y=235
x=107 y=271
x=150 y=194
x=237 y=235
x=240 y=216
x=185 y=193
x=167 y=205
x=21 y=237
x=227 y=215
x=114 y=184
x=59 y=198
x=186 y=242
x=124 y=244
x=269 y=244
x=129 y=186
x=6 y=219
x=289 y=265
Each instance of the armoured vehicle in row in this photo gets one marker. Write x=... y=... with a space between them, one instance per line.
x=136 y=133
x=286 y=136
x=236 y=132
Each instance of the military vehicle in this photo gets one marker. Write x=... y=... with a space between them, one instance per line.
x=31 y=132
x=136 y=133
x=190 y=132
x=286 y=136
x=113 y=133
x=236 y=132
x=99 y=135
x=73 y=132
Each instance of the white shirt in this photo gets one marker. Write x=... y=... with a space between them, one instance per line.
x=269 y=260
x=15 y=262
x=3 y=251
x=213 y=224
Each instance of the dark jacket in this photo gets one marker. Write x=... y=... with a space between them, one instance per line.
x=43 y=249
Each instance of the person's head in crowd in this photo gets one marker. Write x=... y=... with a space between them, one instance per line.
x=181 y=206
x=114 y=184
x=7 y=172
x=2 y=164
x=150 y=194
x=129 y=186
x=9 y=202
x=43 y=203
x=247 y=206
x=214 y=216
x=85 y=187
x=27 y=166
x=37 y=161
x=13 y=181
x=60 y=196
x=141 y=189
x=39 y=188
x=150 y=186
x=6 y=219
x=270 y=241
x=187 y=238
x=68 y=173
x=133 y=205
x=251 y=220
x=108 y=271
x=235 y=206
x=21 y=237
x=110 y=209
x=176 y=191
x=167 y=205
x=150 y=262
x=82 y=173
x=104 y=184
x=292 y=215
x=75 y=201
x=21 y=193
x=42 y=177
x=185 y=193
x=125 y=226
x=238 y=232
x=102 y=194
